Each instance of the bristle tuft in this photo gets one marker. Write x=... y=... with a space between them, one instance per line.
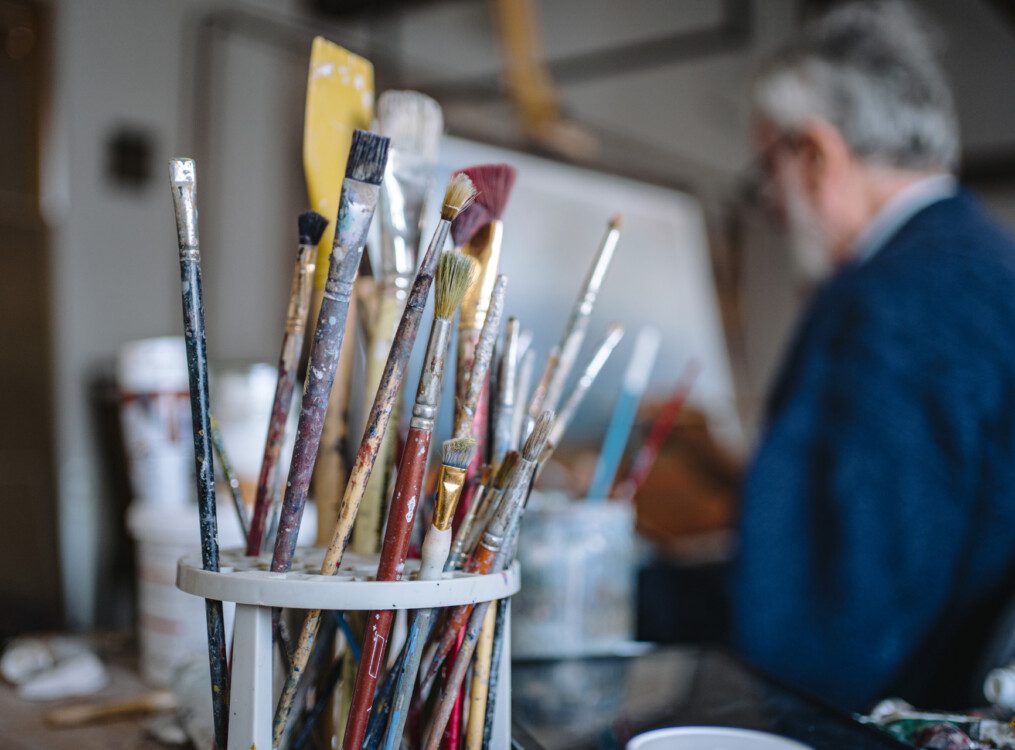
x=537 y=438
x=458 y=452
x=493 y=186
x=617 y=221
x=367 y=157
x=413 y=121
x=506 y=469
x=453 y=277
x=458 y=197
x=469 y=221
x=311 y=227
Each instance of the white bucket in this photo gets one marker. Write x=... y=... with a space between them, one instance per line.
x=171 y=624
x=711 y=738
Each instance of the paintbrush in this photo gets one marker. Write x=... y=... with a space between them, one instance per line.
x=504 y=405
x=491 y=556
x=360 y=190
x=457 y=196
x=470 y=402
x=340 y=98
x=415 y=124
x=614 y=333
x=500 y=623
x=454 y=273
x=574 y=333
x=182 y=177
x=226 y=467
x=645 y=457
x=525 y=372
x=469 y=534
x=480 y=233
x=535 y=407
x=636 y=378
x=310 y=227
x=510 y=506
x=480 y=682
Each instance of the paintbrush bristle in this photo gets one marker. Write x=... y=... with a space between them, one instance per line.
x=616 y=221
x=493 y=185
x=367 y=157
x=537 y=438
x=458 y=197
x=469 y=221
x=413 y=121
x=453 y=277
x=506 y=469
x=458 y=452
x=311 y=227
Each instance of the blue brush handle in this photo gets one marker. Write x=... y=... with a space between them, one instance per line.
x=617 y=435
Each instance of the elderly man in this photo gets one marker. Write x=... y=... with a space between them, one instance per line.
x=878 y=527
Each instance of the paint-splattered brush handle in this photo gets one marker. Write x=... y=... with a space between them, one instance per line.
x=288 y=363
x=232 y=481
x=419 y=631
x=324 y=353
x=183 y=183
x=478 y=695
x=494 y=680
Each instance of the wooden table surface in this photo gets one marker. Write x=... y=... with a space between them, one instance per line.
x=23 y=723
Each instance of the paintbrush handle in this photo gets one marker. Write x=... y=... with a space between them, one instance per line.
x=419 y=632
x=324 y=352
x=480 y=682
x=288 y=362
x=183 y=182
x=578 y=324
x=387 y=392
x=232 y=481
x=495 y=659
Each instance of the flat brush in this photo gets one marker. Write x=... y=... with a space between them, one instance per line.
x=509 y=507
x=414 y=123
x=457 y=196
x=490 y=557
x=183 y=182
x=454 y=273
x=480 y=234
x=310 y=227
x=574 y=333
x=358 y=200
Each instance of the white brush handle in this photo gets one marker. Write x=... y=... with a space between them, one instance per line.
x=436 y=546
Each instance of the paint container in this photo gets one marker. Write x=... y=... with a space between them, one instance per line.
x=155 y=414
x=242 y=397
x=578 y=563
x=711 y=738
x=171 y=624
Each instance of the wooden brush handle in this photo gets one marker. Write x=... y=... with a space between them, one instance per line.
x=402 y=513
x=77 y=714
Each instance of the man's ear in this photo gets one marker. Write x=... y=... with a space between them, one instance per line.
x=823 y=154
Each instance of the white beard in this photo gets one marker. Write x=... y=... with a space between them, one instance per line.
x=812 y=254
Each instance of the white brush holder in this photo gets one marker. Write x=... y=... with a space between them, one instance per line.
x=256 y=591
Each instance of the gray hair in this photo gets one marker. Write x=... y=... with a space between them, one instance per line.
x=870 y=70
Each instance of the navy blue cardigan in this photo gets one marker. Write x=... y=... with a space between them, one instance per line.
x=878 y=526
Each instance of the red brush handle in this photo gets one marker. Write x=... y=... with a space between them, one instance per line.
x=404 y=503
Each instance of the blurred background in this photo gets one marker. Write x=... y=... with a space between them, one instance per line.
x=641 y=107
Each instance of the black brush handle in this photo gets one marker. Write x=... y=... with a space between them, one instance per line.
x=197 y=368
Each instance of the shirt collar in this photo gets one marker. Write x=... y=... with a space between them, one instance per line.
x=900 y=209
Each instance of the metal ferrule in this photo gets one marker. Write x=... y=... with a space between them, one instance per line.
x=355 y=210
x=428 y=394
x=510 y=505
x=407 y=181
x=183 y=177
x=449 y=490
x=484 y=248
x=299 y=293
